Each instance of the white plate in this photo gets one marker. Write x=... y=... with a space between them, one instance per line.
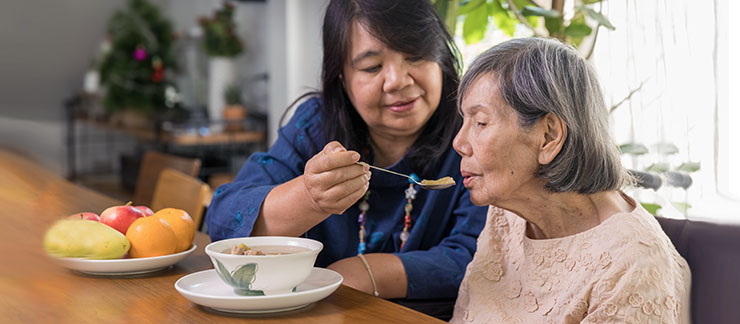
x=206 y=288
x=120 y=267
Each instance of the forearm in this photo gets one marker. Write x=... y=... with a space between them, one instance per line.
x=287 y=211
x=387 y=270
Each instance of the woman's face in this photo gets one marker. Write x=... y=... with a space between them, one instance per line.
x=499 y=158
x=394 y=93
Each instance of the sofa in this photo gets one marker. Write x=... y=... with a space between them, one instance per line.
x=713 y=253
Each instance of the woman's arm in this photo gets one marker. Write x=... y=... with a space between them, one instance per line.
x=292 y=187
x=386 y=269
x=331 y=183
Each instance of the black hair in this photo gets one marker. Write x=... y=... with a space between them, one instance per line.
x=408 y=26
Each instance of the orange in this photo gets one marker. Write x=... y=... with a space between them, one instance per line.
x=150 y=237
x=181 y=224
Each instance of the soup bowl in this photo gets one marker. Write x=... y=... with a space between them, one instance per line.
x=270 y=274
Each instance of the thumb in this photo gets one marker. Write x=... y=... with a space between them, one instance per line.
x=334 y=147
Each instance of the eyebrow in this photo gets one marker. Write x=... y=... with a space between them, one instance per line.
x=364 y=55
x=471 y=109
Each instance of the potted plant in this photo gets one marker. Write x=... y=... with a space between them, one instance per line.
x=222 y=44
x=132 y=66
x=234 y=112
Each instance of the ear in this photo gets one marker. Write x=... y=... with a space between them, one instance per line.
x=555 y=132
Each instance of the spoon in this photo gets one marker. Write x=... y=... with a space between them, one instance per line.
x=442 y=183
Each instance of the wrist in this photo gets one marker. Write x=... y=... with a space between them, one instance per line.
x=370 y=273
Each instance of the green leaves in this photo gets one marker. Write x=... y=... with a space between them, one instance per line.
x=537 y=11
x=689 y=167
x=598 y=17
x=507 y=18
x=502 y=18
x=659 y=167
x=469 y=7
x=476 y=22
x=633 y=149
x=579 y=30
x=651 y=208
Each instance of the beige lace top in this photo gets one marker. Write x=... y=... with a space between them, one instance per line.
x=625 y=270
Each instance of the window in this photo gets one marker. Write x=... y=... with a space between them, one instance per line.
x=673 y=54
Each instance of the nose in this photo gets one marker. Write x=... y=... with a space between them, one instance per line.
x=397 y=77
x=460 y=143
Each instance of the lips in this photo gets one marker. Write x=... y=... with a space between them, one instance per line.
x=402 y=105
x=468 y=178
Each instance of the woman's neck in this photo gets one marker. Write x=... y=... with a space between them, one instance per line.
x=566 y=214
x=390 y=149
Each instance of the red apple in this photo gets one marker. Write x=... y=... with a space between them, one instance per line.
x=120 y=217
x=146 y=210
x=85 y=215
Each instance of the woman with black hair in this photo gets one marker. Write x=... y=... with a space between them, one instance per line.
x=389 y=78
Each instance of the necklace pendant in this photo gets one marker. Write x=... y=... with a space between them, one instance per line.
x=404 y=236
x=361 y=248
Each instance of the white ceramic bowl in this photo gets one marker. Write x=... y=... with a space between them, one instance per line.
x=255 y=275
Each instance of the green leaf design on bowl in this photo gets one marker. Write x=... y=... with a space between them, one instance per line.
x=241 y=278
x=245 y=275
x=224 y=274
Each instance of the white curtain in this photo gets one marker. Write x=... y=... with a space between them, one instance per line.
x=672 y=56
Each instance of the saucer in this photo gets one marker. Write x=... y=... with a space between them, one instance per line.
x=206 y=288
x=123 y=267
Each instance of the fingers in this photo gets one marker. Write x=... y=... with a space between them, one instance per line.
x=339 y=198
x=333 y=156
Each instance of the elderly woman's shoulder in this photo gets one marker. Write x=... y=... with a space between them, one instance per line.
x=638 y=235
x=642 y=254
x=645 y=279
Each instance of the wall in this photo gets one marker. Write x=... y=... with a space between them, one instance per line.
x=47 y=49
x=294 y=52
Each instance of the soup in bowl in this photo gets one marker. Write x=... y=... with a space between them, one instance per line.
x=263 y=265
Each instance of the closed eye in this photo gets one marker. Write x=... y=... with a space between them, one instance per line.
x=372 y=69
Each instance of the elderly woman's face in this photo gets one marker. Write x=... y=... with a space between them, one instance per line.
x=499 y=157
x=394 y=93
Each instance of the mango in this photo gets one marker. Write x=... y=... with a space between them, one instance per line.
x=83 y=238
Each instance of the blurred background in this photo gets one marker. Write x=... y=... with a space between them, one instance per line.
x=87 y=87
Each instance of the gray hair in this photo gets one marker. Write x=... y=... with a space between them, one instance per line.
x=539 y=76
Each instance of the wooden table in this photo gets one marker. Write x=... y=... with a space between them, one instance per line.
x=34 y=289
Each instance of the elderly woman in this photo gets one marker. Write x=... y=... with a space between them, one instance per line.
x=562 y=243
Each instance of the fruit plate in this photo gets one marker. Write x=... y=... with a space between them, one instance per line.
x=120 y=267
x=206 y=288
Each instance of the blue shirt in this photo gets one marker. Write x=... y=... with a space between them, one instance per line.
x=445 y=224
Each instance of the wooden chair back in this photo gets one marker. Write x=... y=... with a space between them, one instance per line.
x=151 y=165
x=175 y=189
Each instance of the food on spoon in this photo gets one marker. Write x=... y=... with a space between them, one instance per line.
x=438 y=182
x=83 y=238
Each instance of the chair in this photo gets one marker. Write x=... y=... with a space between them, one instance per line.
x=151 y=165
x=714 y=258
x=175 y=189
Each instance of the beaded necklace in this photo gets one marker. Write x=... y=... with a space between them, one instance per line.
x=365 y=206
